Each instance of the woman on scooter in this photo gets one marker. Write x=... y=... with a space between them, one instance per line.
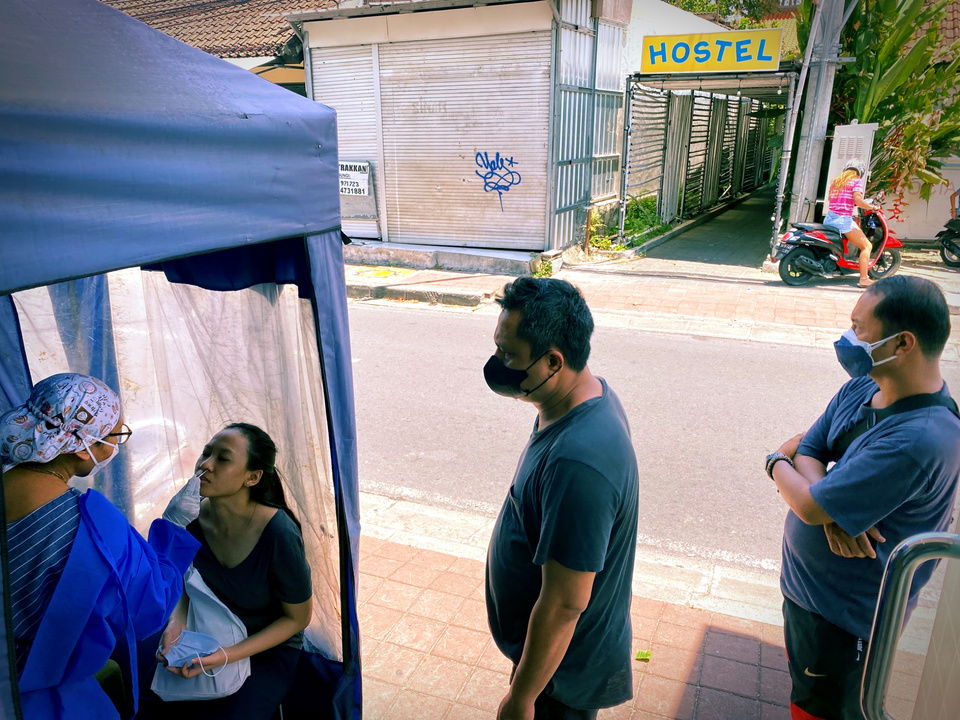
x=846 y=192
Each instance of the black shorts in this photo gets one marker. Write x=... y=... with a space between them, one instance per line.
x=546 y=708
x=826 y=666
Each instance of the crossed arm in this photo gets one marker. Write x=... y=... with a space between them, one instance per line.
x=794 y=486
x=564 y=595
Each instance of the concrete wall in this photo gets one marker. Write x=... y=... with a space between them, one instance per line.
x=923 y=220
x=441 y=24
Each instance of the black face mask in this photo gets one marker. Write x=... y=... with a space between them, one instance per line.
x=506 y=381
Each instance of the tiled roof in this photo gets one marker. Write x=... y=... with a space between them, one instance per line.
x=790 y=47
x=226 y=28
x=950 y=27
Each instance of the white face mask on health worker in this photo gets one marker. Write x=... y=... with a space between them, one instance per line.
x=99 y=465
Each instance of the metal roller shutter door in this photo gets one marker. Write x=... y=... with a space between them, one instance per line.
x=444 y=102
x=343 y=78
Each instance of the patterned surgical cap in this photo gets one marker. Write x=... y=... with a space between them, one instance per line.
x=62 y=413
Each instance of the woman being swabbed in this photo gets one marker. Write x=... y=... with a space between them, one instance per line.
x=846 y=192
x=252 y=557
x=82 y=580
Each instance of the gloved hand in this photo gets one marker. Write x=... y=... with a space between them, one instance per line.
x=184 y=507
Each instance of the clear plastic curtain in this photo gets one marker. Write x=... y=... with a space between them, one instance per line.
x=190 y=361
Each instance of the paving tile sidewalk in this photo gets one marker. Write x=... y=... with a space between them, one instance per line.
x=427 y=652
x=664 y=295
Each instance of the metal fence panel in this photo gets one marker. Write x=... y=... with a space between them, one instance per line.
x=711 y=176
x=729 y=153
x=676 y=149
x=649 y=111
x=699 y=140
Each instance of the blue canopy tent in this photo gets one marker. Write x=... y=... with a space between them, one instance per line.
x=122 y=148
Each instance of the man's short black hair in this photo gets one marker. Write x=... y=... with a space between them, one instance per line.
x=914 y=304
x=553 y=314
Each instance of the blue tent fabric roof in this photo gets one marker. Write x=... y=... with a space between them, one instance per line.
x=138 y=148
x=122 y=147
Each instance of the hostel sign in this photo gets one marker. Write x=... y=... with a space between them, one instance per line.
x=737 y=51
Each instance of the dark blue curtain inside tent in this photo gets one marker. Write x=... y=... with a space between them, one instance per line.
x=15 y=381
x=121 y=147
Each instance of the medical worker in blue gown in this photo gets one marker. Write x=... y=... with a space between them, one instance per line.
x=83 y=582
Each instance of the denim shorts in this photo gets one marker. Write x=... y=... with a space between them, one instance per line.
x=843 y=223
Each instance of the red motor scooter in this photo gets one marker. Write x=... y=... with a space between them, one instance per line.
x=812 y=249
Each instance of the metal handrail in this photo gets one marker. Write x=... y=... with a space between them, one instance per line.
x=891 y=608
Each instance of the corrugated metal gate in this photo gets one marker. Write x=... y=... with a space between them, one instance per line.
x=465 y=128
x=693 y=149
x=345 y=78
x=586 y=130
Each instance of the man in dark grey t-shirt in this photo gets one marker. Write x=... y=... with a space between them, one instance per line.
x=560 y=562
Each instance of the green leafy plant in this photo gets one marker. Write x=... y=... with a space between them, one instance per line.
x=641 y=221
x=736 y=11
x=545 y=270
x=900 y=80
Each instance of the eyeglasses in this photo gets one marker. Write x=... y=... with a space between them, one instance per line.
x=122 y=436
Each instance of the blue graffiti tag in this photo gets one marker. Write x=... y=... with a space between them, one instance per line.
x=498 y=175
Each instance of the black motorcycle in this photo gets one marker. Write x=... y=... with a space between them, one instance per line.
x=949 y=239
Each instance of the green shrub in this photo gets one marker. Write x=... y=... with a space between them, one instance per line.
x=641 y=223
x=545 y=270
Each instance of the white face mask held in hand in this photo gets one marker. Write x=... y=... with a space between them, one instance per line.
x=184 y=507
x=192 y=646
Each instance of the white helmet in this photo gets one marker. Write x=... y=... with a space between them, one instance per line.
x=857 y=165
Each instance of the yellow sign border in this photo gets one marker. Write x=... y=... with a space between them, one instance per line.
x=734 y=51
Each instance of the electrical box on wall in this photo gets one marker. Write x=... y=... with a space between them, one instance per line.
x=850 y=142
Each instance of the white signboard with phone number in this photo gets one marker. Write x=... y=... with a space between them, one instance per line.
x=354 y=178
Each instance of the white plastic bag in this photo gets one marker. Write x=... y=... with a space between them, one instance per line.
x=207 y=615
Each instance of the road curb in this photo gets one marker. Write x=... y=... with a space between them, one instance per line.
x=361 y=291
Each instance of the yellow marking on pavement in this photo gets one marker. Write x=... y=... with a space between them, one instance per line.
x=381 y=272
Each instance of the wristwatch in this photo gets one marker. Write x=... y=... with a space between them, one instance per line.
x=773 y=458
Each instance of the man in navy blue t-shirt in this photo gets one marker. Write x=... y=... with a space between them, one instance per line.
x=894 y=436
x=560 y=563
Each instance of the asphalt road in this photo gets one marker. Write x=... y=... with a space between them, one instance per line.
x=703 y=411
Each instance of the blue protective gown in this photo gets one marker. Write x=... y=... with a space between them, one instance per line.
x=116 y=587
